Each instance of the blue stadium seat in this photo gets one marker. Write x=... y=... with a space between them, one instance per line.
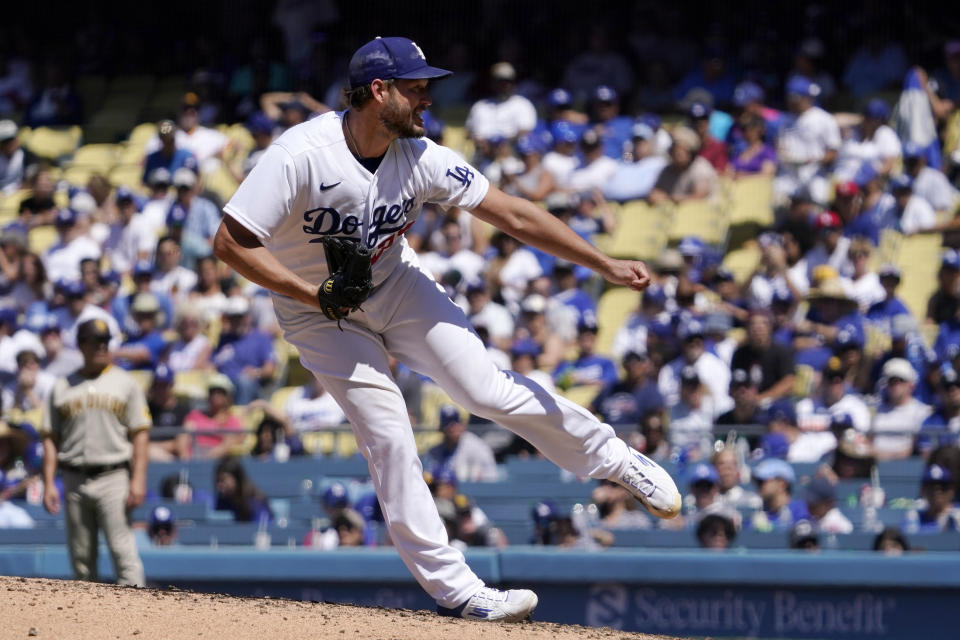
x=239 y=534
x=40 y=535
x=191 y=511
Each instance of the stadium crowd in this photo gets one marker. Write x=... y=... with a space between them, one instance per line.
x=811 y=355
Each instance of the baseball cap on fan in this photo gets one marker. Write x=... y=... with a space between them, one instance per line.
x=390 y=58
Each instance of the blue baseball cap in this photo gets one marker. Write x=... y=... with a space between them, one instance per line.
x=850 y=336
x=42 y=322
x=525 y=347
x=690 y=328
x=821 y=490
x=747 y=92
x=448 y=415
x=783 y=411
x=161 y=516
x=699 y=110
x=865 y=174
x=124 y=194
x=690 y=246
x=529 y=144
x=8 y=315
x=950 y=259
x=162 y=374
x=802 y=86
x=652 y=120
x=901 y=182
x=390 y=58
x=782 y=296
x=259 y=122
x=841 y=422
x=912 y=150
x=66 y=217
x=110 y=276
x=71 y=288
x=562 y=131
x=443 y=474
x=775 y=446
x=177 y=216
x=336 y=496
x=703 y=472
x=775 y=468
x=654 y=294
x=877 y=108
x=605 y=93
x=544 y=512
x=143 y=268
x=937 y=474
x=559 y=98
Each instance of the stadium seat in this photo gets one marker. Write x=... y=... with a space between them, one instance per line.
x=221 y=183
x=919 y=261
x=78 y=176
x=96 y=158
x=583 y=395
x=127 y=175
x=319 y=442
x=10 y=204
x=700 y=218
x=240 y=534
x=39 y=239
x=742 y=262
x=752 y=200
x=191 y=384
x=640 y=232
x=53 y=144
x=613 y=308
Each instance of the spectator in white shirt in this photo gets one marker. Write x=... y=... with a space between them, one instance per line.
x=515 y=267
x=597 y=168
x=311 y=407
x=872 y=142
x=132 y=238
x=452 y=256
x=505 y=114
x=156 y=208
x=710 y=369
x=205 y=143
x=62 y=260
x=561 y=160
x=170 y=278
x=913 y=214
x=482 y=311
x=899 y=417
x=832 y=247
x=691 y=418
x=928 y=183
x=864 y=285
x=465 y=453
x=808 y=146
x=821 y=495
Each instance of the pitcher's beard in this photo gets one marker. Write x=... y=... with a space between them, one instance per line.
x=398 y=118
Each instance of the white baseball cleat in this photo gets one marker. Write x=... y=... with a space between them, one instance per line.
x=651 y=485
x=495 y=605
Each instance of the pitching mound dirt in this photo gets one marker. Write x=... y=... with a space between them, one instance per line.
x=58 y=609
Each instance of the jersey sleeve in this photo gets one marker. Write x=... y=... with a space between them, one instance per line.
x=137 y=416
x=453 y=181
x=265 y=197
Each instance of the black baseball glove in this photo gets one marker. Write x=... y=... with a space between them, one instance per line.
x=350 y=280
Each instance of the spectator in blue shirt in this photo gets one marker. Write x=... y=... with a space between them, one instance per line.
x=775 y=480
x=614 y=129
x=938 y=491
x=120 y=306
x=199 y=217
x=144 y=347
x=168 y=155
x=244 y=354
x=635 y=395
x=882 y=313
x=588 y=368
x=942 y=427
x=712 y=75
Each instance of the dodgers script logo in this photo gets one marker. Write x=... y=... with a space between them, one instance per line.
x=387 y=223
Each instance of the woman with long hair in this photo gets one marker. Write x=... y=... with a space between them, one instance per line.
x=237 y=493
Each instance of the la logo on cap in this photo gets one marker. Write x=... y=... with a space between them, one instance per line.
x=418 y=50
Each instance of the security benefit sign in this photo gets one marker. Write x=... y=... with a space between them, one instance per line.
x=772 y=612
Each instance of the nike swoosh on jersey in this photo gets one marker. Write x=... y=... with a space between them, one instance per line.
x=324 y=187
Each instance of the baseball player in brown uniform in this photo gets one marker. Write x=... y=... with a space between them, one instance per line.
x=95 y=429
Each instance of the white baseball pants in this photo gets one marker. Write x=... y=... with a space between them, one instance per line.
x=411 y=317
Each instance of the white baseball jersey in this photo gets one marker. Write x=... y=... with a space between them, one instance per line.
x=308 y=186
